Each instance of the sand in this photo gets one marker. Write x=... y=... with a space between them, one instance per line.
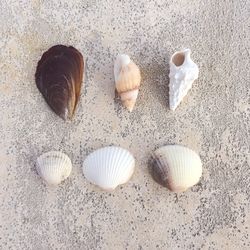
x=213 y=120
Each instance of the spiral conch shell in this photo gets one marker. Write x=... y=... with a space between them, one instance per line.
x=127 y=80
x=176 y=167
x=109 y=167
x=54 y=167
x=183 y=72
x=59 y=76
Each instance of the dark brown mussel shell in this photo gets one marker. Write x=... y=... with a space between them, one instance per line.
x=59 y=76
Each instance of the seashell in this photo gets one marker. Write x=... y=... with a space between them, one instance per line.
x=109 y=167
x=176 y=167
x=127 y=80
x=54 y=167
x=59 y=76
x=183 y=72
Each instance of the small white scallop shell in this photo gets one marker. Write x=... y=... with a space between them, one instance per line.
x=176 y=167
x=54 y=167
x=109 y=167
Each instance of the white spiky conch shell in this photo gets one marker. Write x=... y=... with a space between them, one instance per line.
x=127 y=80
x=183 y=72
x=54 y=167
x=176 y=167
x=109 y=167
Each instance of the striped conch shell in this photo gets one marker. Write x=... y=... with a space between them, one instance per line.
x=127 y=80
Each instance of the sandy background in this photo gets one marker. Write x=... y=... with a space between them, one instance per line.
x=213 y=120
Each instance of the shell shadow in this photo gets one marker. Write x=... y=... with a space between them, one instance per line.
x=106 y=69
x=155 y=74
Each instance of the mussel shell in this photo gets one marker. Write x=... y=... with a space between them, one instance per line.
x=59 y=76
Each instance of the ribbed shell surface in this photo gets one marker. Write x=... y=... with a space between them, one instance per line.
x=109 y=167
x=180 y=166
x=54 y=167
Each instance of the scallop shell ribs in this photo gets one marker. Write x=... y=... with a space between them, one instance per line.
x=109 y=167
x=54 y=167
x=176 y=167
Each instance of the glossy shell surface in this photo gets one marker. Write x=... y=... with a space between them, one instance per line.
x=59 y=77
x=127 y=80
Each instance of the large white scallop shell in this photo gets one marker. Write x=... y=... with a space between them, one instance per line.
x=176 y=167
x=109 y=167
x=54 y=167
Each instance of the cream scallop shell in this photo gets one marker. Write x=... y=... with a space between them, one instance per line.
x=54 y=167
x=176 y=167
x=109 y=167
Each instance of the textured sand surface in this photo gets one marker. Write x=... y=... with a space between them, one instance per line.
x=213 y=120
